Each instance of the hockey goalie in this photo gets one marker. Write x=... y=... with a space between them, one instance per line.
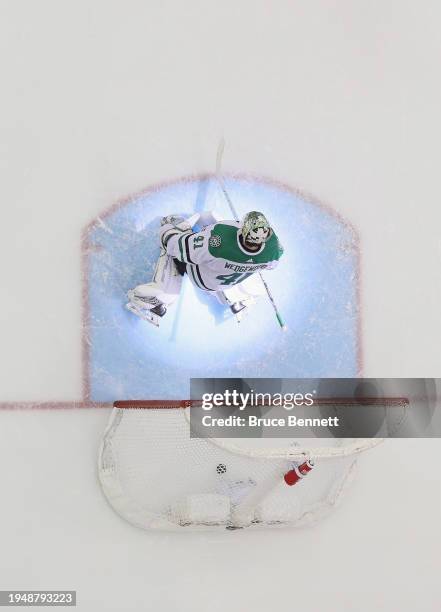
x=224 y=259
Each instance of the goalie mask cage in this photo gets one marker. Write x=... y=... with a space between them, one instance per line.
x=155 y=476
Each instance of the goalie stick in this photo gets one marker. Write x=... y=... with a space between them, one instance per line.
x=220 y=180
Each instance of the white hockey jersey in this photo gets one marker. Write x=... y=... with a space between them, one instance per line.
x=215 y=258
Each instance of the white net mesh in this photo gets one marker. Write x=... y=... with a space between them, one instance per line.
x=156 y=476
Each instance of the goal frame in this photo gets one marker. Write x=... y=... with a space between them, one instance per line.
x=348 y=446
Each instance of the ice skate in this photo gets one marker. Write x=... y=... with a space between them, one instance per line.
x=239 y=309
x=149 y=309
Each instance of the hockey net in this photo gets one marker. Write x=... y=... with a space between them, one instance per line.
x=156 y=476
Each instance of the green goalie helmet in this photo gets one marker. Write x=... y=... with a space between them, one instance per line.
x=255 y=228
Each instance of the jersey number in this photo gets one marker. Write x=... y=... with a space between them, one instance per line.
x=233 y=279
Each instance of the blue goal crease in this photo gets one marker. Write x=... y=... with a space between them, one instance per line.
x=315 y=286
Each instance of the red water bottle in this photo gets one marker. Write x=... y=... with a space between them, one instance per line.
x=293 y=476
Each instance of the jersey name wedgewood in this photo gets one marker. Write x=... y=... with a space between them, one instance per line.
x=215 y=257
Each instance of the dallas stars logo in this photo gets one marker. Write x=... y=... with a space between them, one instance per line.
x=215 y=240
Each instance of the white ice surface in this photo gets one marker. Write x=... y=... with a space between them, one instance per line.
x=102 y=99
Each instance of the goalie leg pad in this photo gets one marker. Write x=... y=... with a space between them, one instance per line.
x=164 y=288
x=247 y=291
